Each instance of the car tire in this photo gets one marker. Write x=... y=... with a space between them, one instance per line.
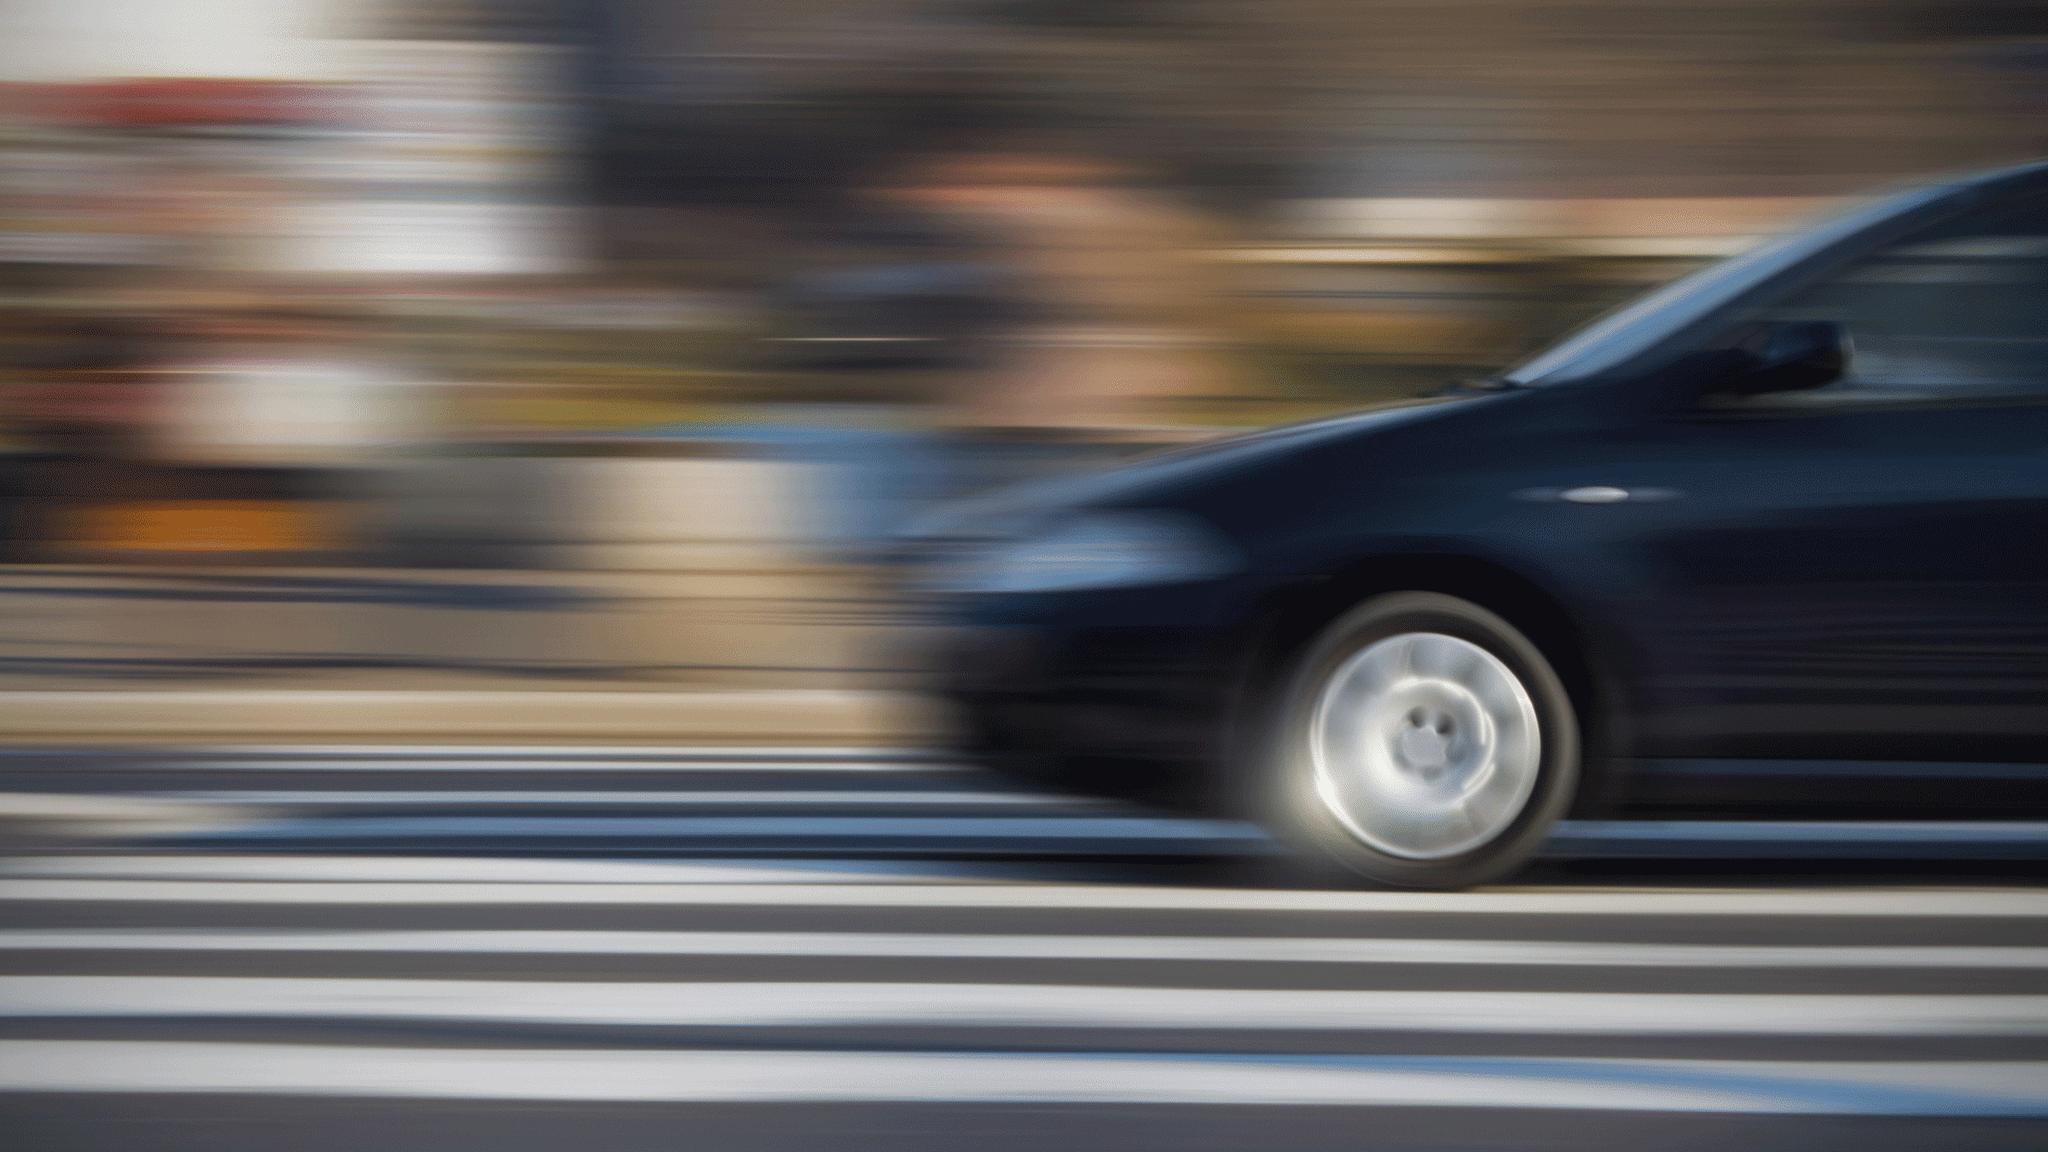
x=1421 y=742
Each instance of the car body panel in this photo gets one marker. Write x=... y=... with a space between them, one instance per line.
x=1833 y=584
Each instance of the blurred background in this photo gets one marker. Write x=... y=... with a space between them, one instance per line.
x=473 y=343
x=452 y=454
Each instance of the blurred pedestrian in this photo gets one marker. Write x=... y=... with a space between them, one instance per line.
x=900 y=311
x=80 y=416
x=282 y=385
x=995 y=313
x=1113 y=304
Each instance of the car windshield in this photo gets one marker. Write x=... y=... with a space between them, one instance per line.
x=1637 y=326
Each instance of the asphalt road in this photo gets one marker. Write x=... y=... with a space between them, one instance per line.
x=477 y=949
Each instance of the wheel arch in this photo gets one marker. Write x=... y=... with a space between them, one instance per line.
x=1288 y=619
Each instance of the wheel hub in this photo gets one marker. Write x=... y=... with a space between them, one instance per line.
x=1424 y=745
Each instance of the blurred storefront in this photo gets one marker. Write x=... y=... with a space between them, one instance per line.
x=650 y=305
x=350 y=244
x=147 y=214
x=210 y=274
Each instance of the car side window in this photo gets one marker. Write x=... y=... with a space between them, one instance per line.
x=1960 y=311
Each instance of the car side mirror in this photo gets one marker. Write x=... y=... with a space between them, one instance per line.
x=1790 y=356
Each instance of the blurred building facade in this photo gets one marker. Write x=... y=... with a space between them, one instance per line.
x=392 y=232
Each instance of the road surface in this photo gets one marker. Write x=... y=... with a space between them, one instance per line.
x=454 y=949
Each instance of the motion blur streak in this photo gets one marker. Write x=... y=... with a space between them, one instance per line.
x=527 y=525
x=869 y=944
x=985 y=1077
x=317 y=991
x=768 y=1004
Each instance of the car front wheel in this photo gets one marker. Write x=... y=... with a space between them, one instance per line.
x=1423 y=742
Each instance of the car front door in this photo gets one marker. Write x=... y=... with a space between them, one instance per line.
x=1860 y=571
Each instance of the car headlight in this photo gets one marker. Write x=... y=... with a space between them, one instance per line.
x=1102 y=550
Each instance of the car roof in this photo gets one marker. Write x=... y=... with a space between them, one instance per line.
x=1647 y=321
x=2012 y=177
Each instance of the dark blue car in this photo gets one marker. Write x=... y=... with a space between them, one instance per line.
x=1771 y=540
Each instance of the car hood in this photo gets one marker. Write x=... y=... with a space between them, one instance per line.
x=1016 y=508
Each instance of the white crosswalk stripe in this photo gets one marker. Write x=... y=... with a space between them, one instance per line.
x=1756 y=1087
x=787 y=801
x=998 y=946
x=766 y=1003
x=796 y=802
x=729 y=762
x=1937 y=904
x=563 y=798
x=459 y=969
